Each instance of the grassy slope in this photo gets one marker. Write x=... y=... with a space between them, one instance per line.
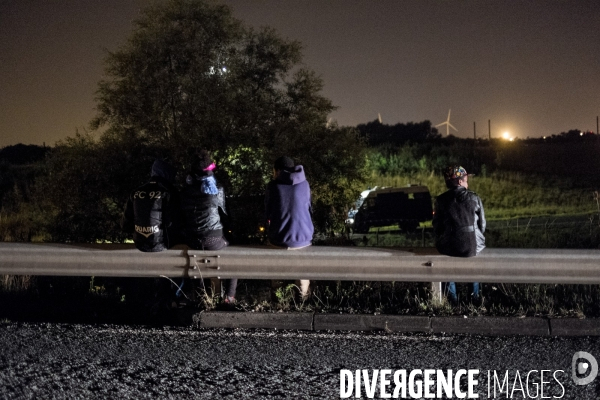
x=511 y=195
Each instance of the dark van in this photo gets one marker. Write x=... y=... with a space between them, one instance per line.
x=405 y=206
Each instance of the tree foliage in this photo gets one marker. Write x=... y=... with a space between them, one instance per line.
x=378 y=134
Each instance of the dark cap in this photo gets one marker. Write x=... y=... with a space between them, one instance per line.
x=284 y=163
x=163 y=169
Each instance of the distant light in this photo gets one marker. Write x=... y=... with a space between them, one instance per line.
x=580 y=133
x=224 y=69
x=544 y=137
x=506 y=136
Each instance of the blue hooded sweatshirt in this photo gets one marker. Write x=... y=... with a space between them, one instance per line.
x=288 y=209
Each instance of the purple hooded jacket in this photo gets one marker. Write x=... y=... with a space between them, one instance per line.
x=288 y=209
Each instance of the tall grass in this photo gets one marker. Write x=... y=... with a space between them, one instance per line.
x=16 y=283
x=413 y=298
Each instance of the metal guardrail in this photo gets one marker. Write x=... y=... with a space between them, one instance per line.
x=316 y=263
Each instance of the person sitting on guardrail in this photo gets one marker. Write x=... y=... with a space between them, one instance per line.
x=288 y=209
x=152 y=211
x=201 y=200
x=459 y=223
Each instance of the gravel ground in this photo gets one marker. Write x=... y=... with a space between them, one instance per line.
x=107 y=361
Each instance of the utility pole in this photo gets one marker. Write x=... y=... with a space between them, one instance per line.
x=474 y=131
x=490 y=129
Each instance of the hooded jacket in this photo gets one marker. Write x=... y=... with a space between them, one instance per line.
x=152 y=211
x=288 y=209
x=200 y=202
x=459 y=223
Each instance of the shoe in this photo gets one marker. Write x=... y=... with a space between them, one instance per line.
x=228 y=304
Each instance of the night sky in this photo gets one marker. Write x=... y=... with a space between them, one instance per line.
x=531 y=67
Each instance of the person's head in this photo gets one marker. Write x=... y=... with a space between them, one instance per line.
x=163 y=169
x=456 y=175
x=283 y=164
x=202 y=163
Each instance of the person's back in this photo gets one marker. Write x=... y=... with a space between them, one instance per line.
x=459 y=223
x=151 y=213
x=288 y=207
x=200 y=203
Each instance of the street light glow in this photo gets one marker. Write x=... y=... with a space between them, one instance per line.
x=506 y=136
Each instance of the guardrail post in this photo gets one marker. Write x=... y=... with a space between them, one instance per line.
x=436 y=291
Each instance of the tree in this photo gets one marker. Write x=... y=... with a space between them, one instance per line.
x=21 y=154
x=379 y=134
x=192 y=76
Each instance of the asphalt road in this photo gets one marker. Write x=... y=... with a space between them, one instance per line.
x=85 y=361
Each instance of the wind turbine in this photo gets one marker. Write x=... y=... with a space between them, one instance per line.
x=448 y=125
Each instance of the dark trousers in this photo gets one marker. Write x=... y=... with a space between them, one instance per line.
x=230 y=287
x=208 y=243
